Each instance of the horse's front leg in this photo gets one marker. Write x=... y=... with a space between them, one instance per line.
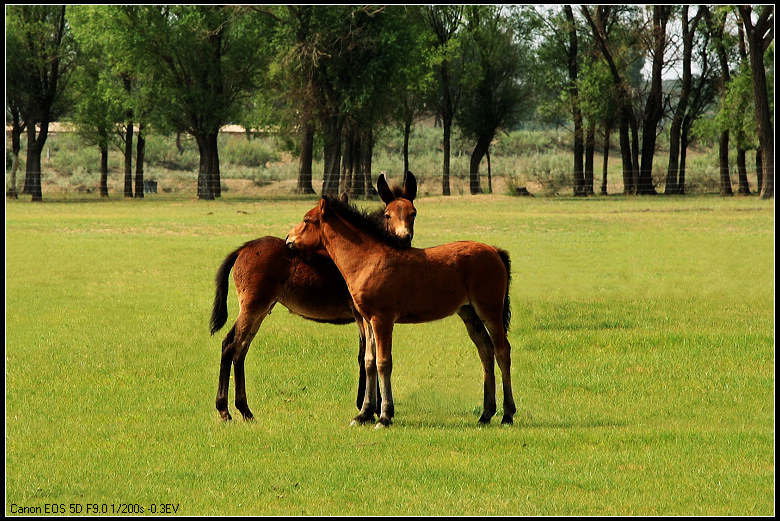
x=361 y=392
x=383 y=334
x=369 y=402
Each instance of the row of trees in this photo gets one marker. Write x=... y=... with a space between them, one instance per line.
x=330 y=76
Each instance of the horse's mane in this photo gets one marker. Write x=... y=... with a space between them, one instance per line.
x=371 y=223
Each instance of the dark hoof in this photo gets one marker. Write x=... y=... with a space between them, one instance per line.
x=362 y=419
x=384 y=422
x=245 y=412
x=225 y=416
x=507 y=420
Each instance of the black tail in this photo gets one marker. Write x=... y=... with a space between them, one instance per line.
x=507 y=308
x=219 y=314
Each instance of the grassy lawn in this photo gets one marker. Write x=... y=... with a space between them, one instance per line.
x=643 y=367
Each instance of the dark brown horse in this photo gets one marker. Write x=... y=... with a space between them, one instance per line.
x=392 y=285
x=265 y=272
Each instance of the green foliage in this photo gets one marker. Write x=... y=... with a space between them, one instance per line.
x=497 y=92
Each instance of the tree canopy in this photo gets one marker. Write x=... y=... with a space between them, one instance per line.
x=342 y=72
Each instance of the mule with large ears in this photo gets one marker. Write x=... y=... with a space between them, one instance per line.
x=392 y=285
x=265 y=272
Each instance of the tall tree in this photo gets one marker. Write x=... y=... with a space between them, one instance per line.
x=297 y=56
x=599 y=23
x=654 y=103
x=760 y=34
x=444 y=22
x=736 y=114
x=716 y=21
x=343 y=64
x=114 y=95
x=559 y=50
x=15 y=96
x=702 y=96
x=416 y=79
x=44 y=58
x=94 y=114
x=206 y=60
x=497 y=94
x=572 y=59
x=688 y=26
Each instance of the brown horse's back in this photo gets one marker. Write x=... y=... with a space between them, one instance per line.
x=421 y=285
x=308 y=285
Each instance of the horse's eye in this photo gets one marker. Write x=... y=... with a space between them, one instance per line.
x=387 y=216
x=414 y=214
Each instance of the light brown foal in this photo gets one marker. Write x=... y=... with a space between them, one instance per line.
x=392 y=285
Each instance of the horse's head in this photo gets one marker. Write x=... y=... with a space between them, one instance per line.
x=306 y=234
x=394 y=225
x=399 y=211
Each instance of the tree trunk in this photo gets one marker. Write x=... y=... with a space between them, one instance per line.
x=209 y=182
x=654 y=105
x=332 y=127
x=446 y=117
x=480 y=149
x=629 y=186
x=634 y=151
x=104 y=169
x=407 y=133
x=129 y=157
x=366 y=163
x=744 y=186
x=490 y=172
x=579 y=147
x=445 y=178
x=178 y=143
x=16 y=146
x=348 y=162
x=607 y=133
x=760 y=36
x=759 y=170
x=683 y=156
x=590 y=149
x=625 y=112
x=139 y=163
x=32 y=181
x=688 y=30
x=717 y=29
x=723 y=162
x=11 y=192
x=307 y=155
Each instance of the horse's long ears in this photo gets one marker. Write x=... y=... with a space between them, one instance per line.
x=410 y=186
x=344 y=198
x=384 y=190
x=323 y=206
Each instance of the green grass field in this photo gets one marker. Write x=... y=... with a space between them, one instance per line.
x=643 y=367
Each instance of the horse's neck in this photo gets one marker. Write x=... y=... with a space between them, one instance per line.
x=351 y=256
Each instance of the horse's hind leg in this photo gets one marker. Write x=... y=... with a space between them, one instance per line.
x=504 y=359
x=481 y=339
x=234 y=350
x=224 y=374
